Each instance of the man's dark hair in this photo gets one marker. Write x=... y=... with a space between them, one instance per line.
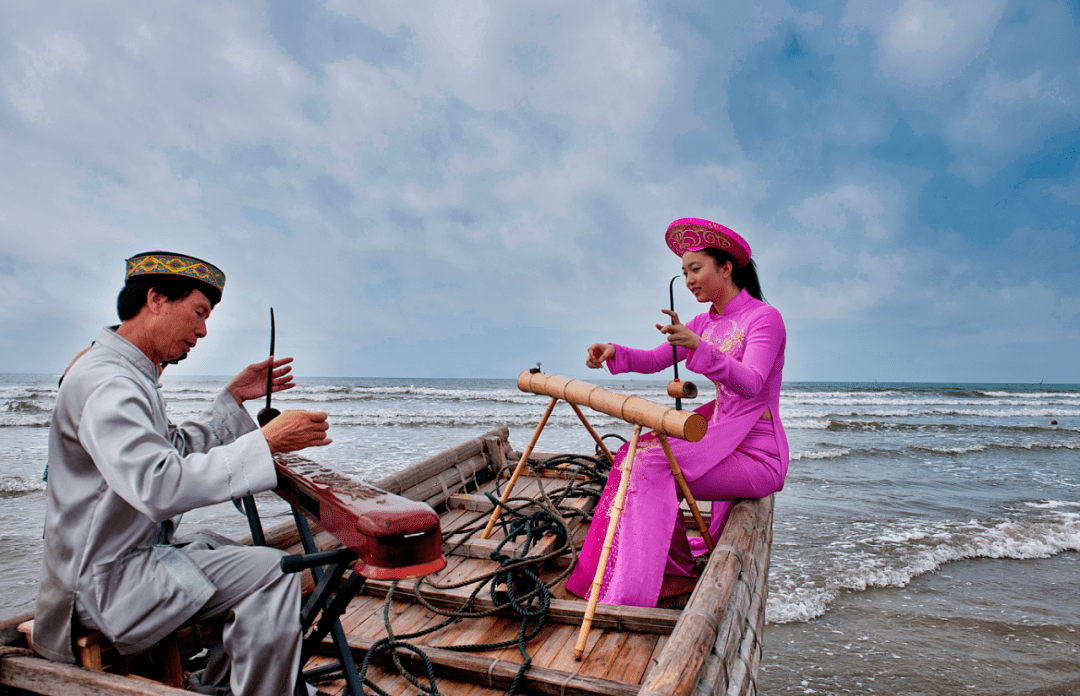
x=132 y=297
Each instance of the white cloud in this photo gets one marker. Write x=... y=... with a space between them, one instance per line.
x=607 y=63
x=1070 y=193
x=54 y=55
x=1013 y=314
x=999 y=90
x=927 y=42
x=861 y=284
x=516 y=162
x=996 y=116
x=833 y=211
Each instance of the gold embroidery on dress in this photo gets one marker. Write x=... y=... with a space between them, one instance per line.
x=735 y=338
x=728 y=337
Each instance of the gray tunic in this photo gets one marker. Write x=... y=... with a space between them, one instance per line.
x=118 y=468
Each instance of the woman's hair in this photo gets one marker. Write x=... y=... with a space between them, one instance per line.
x=132 y=296
x=745 y=278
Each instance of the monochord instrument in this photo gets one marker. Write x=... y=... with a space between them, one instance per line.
x=676 y=388
x=394 y=538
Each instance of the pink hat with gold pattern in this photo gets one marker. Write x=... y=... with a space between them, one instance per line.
x=694 y=234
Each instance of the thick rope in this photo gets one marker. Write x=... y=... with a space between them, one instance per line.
x=515 y=586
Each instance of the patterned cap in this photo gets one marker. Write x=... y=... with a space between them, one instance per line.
x=694 y=234
x=168 y=263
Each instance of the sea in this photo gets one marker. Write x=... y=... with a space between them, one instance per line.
x=925 y=542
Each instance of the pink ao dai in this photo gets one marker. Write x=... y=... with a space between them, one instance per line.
x=741 y=456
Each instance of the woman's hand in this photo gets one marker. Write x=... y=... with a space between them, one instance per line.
x=599 y=353
x=677 y=333
x=251 y=382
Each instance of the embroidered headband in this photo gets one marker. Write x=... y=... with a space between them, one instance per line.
x=694 y=234
x=168 y=263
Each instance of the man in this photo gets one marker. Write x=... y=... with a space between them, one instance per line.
x=120 y=474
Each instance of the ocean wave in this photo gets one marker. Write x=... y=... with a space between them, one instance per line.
x=17 y=485
x=21 y=406
x=1035 y=395
x=896 y=557
x=845 y=425
x=464 y=418
x=807 y=423
x=367 y=394
x=1052 y=504
x=27 y=392
x=957 y=451
x=821 y=454
x=1037 y=446
x=907 y=400
x=20 y=420
x=963 y=413
x=1005 y=446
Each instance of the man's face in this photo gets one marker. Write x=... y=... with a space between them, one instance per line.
x=179 y=325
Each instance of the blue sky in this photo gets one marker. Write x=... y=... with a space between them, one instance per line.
x=465 y=189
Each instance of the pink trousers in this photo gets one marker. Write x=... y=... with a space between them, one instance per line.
x=650 y=537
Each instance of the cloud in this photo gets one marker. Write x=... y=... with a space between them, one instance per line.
x=407 y=182
x=55 y=54
x=835 y=211
x=926 y=43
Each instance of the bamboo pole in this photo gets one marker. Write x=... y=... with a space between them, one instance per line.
x=609 y=536
x=685 y=425
x=595 y=436
x=685 y=489
x=520 y=468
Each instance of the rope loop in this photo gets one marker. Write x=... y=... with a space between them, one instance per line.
x=516 y=586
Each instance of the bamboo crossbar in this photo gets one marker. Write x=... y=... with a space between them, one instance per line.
x=685 y=425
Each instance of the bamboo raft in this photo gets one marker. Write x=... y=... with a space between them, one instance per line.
x=710 y=646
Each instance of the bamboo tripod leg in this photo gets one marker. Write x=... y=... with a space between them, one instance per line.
x=599 y=441
x=681 y=480
x=520 y=468
x=605 y=551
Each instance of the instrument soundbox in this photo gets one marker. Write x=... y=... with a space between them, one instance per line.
x=394 y=538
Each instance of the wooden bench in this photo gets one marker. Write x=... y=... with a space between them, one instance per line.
x=160 y=663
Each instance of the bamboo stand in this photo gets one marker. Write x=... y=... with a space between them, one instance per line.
x=685 y=490
x=632 y=409
x=519 y=468
x=528 y=451
x=605 y=551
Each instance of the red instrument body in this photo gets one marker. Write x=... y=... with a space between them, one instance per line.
x=393 y=537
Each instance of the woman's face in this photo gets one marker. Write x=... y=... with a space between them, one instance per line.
x=704 y=278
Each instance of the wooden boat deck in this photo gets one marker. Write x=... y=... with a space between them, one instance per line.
x=620 y=657
x=710 y=647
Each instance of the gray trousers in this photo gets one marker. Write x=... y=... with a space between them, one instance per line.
x=259 y=649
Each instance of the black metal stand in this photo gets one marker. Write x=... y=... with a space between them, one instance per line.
x=327 y=603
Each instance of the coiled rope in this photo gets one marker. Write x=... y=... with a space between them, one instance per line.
x=515 y=587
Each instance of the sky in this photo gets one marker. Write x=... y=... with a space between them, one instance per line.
x=434 y=189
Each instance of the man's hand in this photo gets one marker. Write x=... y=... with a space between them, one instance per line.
x=295 y=430
x=251 y=382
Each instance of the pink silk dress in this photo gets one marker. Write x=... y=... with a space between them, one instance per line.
x=741 y=456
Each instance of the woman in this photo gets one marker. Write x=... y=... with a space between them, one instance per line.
x=739 y=345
